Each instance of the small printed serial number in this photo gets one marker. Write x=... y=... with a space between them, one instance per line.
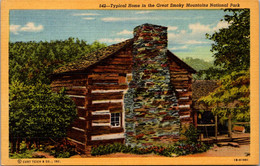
x=240 y=159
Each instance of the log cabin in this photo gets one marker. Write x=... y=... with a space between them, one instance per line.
x=135 y=92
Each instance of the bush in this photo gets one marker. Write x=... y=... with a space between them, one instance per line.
x=25 y=154
x=178 y=149
x=191 y=134
x=62 y=149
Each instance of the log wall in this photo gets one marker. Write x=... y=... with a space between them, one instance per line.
x=107 y=84
x=181 y=80
x=97 y=92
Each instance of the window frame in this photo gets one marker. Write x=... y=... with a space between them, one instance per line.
x=119 y=119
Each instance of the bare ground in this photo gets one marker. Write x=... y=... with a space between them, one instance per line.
x=224 y=151
x=215 y=151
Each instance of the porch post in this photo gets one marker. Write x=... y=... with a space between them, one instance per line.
x=229 y=126
x=216 y=127
x=195 y=116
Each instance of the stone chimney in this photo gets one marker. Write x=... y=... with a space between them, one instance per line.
x=150 y=114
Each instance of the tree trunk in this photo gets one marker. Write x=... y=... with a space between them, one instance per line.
x=18 y=145
x=38 y=143
x=229 y=126
x=34 y=143
x=216 y=127
x=28 y=144
x=12 y=140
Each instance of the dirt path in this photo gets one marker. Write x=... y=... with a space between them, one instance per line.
x=224 y=151
x=127 y=155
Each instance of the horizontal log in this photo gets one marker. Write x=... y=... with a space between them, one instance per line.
x=106 y=96
x=181 y=79
x=80 y=92
x=62 y=85
x=113 y=67
x=104 y=142
x=62 y=82
x=101 y=121
x=126 y=59
x=124 y=56
x=184 y=94
x=70 y=77
x=80 y=146
x=178 y=71
x=104 y=76
x=181 y=113
x=185 y=102
x=126 y=63
x=117 y=109
x=176 y=75
x=183 y=109
x=69 y=80
x=82 y=112
x=104 y=106
x=76 y=135
x=180 y=85
x=105 y=70
x=79 y=123
x=99 y=130
x=79 y=83
x=108 y=87
x=100 y=117
x=105 y=81
x=78 y=101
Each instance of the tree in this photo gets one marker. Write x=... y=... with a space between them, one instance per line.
x=231 y=47
x=36 y=113
x=231 y=50
x=199 y=65
x=32 y=62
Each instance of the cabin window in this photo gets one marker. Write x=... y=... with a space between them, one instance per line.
x=115 y=119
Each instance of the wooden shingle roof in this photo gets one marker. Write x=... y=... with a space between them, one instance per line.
x=92 y=58
x=201 y=88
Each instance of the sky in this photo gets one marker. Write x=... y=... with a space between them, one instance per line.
x=186 y=28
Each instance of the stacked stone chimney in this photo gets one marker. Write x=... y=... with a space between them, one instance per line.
x=150 y=114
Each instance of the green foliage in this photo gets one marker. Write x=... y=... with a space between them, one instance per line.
x=191 y=134
x=178 y=149
x=231 y=48
x=232 y=97
x=25 y=154
x=33 y=62
x=36 y=112
x=61 y=149
x=200 y=66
